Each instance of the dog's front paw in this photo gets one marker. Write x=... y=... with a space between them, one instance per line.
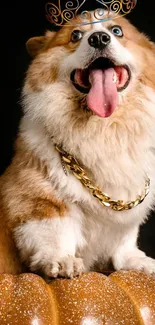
x=139 y=263
x=67 y=267
x=134 y=260
x=145 y=264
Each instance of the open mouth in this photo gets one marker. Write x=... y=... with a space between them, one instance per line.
x=101 y=81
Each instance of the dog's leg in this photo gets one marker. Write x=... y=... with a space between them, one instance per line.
x=128 y=257
x=50 y=245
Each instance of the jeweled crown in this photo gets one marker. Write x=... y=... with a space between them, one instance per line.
x=63 y=12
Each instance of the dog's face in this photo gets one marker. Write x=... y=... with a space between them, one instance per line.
x=100 y=66
x=88 y=71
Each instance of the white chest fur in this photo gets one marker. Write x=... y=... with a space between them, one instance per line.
x=89 y=230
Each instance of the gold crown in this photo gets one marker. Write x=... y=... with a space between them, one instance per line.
x=65 y=11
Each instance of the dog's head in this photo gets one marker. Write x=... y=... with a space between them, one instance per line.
x=88 y=72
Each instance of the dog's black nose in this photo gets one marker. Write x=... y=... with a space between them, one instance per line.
x=99 y=40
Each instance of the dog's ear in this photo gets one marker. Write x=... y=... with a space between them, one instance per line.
x=35 y=44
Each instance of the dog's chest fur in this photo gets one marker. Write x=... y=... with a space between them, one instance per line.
x=98 y=228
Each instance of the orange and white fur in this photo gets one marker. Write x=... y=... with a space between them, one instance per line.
x=49 y=220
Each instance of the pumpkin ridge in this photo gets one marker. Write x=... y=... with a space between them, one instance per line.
x=54 y=303
x=117 y=278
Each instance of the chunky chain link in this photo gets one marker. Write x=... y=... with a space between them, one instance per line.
x=73 y=165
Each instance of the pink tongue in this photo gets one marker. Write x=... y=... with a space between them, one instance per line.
x=103 y=97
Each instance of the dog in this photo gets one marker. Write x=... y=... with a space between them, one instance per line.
x=88 y=97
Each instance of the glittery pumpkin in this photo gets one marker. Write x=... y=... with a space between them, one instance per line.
x=123 y=298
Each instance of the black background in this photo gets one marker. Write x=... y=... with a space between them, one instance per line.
x=22 y=19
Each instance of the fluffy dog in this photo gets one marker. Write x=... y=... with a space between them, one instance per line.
x=91 y=90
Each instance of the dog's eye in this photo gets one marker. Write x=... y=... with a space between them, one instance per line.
x=76 y=36
x=117 y=31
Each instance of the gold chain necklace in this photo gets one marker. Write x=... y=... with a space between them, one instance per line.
x=73 y=165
